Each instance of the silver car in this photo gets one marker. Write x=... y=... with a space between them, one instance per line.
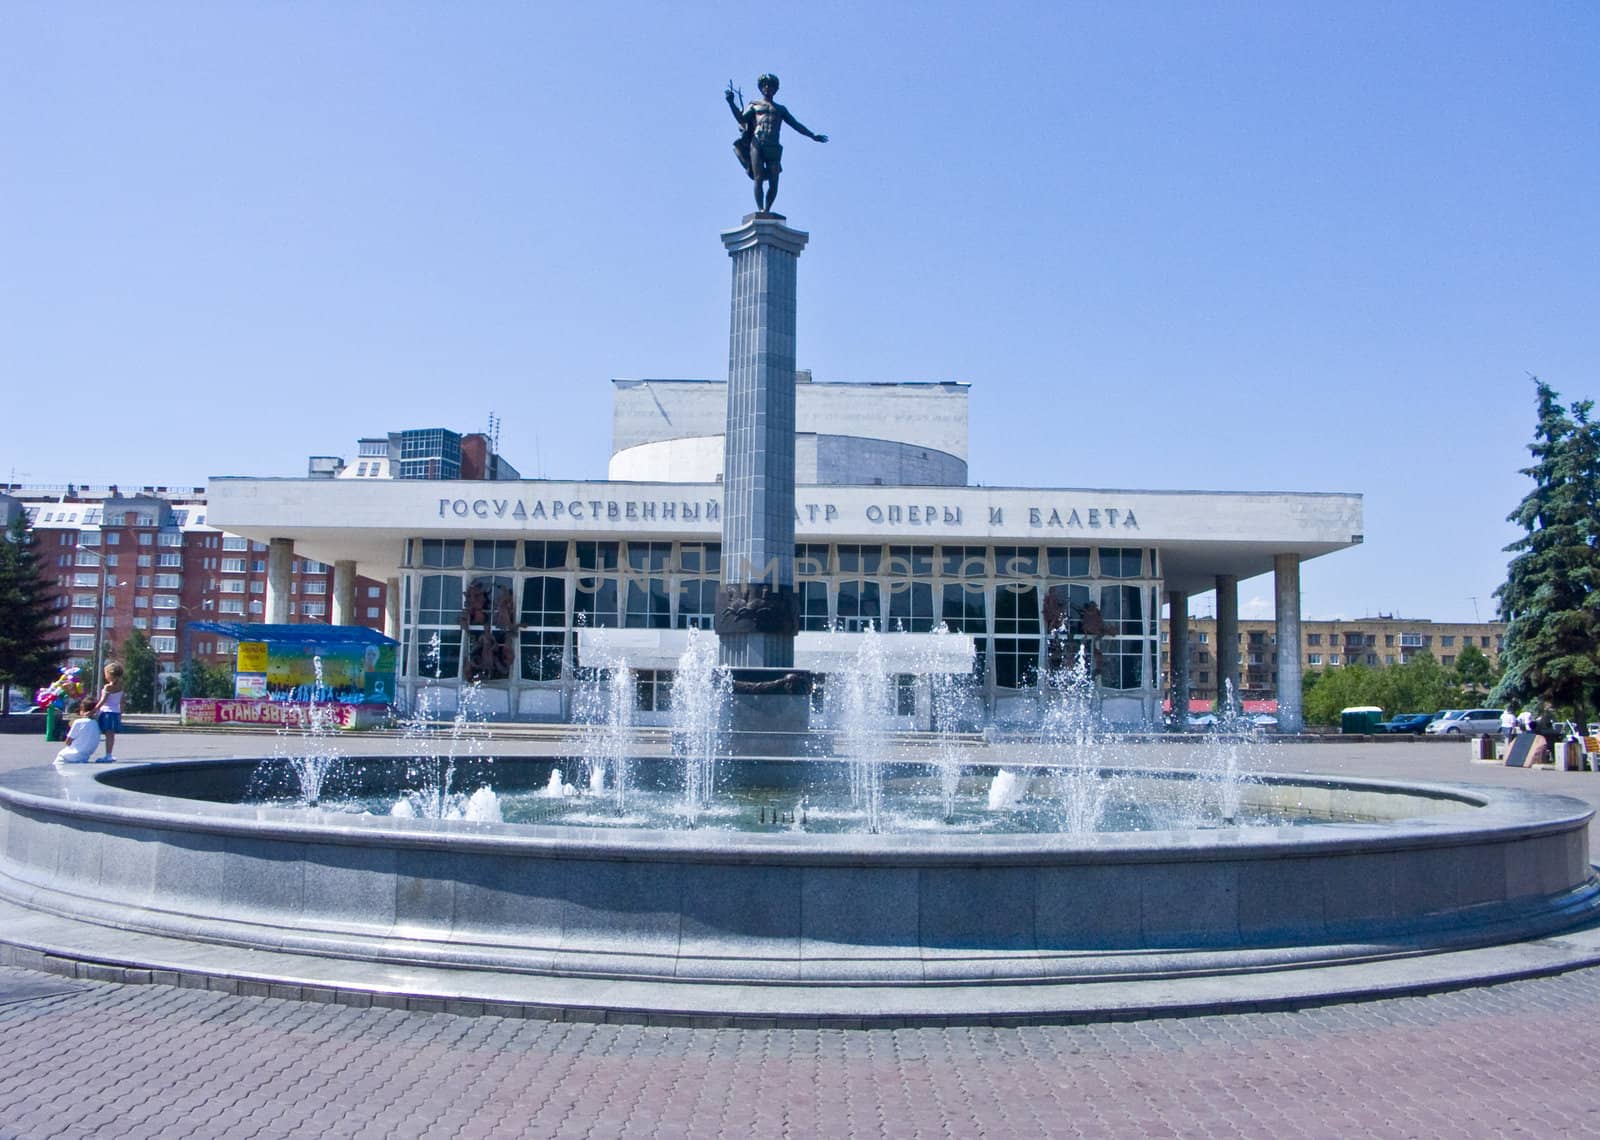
x=1465 y=722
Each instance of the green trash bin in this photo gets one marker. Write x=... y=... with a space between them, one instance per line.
x=1360 y=719
x=55 y=728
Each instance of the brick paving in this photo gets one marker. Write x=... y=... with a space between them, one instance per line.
x=155 y=1061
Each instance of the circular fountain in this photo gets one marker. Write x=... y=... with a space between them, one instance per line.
x=944 y=881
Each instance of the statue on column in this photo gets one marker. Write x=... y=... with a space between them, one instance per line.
x=758 y=148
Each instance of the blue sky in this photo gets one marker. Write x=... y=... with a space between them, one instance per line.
x=1216 y=246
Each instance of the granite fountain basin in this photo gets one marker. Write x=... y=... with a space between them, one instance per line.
x=1395 y=869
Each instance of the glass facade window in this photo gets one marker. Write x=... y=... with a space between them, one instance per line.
x=544 y=555
x=443 y=552
x=1016 y=636
x=1121 y=561
x=1016 y=561
x=1067 y=561
x=496 y=555
x=964 y=561
x=649 y=603
x=653 y=690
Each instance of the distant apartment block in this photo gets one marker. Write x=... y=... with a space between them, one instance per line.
x=1374 y=642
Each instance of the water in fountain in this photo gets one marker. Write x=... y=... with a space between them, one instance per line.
x=1228 y=744
x=435 y=751
x=700 y=693
x=950 y=697
x=312 y=752
x=865 y=699
x=603 y=705
x=1072 y=744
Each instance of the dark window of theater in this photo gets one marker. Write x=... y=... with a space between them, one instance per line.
x=910 y=598
x=1121 y=561
x=1016 y=561
x=964 y=561
x=1067 y=561
x=540 y=555
x=905 y=694
x=699 y=565
x=438 y=628
x=811 y=560
x=859 y=600
x=496 y=555
x=1016 y=641
x=649 y=604
x=443 y=551
x=653 y=690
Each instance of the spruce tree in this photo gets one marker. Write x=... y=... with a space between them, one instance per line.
x=30 y=643
x=1551 y=596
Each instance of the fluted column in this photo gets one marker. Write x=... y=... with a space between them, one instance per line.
x=757 y=616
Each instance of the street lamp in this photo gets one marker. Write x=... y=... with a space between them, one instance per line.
x=100 y=622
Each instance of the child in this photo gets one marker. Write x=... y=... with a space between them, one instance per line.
x=82 y=738
x=109 y=710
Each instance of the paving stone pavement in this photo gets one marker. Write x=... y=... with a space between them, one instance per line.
x=156 y=1061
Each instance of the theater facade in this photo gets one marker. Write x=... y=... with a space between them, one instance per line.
x=519 y=585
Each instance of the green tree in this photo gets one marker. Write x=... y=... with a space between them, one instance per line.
x=1337 y=689
x=1419 y=685
x=1473 y=670
x=30 y=642
x=138 y=673
x=1551 y=597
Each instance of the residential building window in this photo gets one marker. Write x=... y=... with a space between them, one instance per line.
x=234 y=542
x=233 y=565
x=1314 y=659
x=163 y=644
x=1313 y=639
x=230 y=606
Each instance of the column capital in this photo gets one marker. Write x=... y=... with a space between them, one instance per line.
x=764 y=229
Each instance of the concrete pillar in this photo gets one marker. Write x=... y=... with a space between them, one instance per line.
x=1227 y=635
x=757 y=615
x=280 y=573
x=391 y=608
x=1286 y=593
x=344 y=593
x=1178 y=655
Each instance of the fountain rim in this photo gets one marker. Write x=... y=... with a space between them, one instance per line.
x=1506 y=813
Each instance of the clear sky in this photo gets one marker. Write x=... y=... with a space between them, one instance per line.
x=1211 y=246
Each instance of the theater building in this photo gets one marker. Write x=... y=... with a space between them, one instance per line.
x=519 y=584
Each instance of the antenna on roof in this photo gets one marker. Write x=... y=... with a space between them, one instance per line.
x=494 y=433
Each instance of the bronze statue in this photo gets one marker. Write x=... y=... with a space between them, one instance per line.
x=758 y=148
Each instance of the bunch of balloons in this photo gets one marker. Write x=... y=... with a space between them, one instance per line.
x=66 y=687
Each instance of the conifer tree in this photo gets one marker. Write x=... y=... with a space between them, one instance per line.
x=1551 y=596
x=30 y=644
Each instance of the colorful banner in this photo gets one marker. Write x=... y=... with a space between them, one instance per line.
x=210 y=711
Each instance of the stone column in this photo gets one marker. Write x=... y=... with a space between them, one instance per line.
x=1286 y=582
x=280 y=573
x=757 y=615
x=391 y=608
x=344 y=593
x=1178 y=655
x=1227 y=635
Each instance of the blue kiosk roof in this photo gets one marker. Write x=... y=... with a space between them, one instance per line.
x=329 y=635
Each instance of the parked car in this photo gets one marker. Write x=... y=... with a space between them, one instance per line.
x=1406 y=724
x=1466 y=722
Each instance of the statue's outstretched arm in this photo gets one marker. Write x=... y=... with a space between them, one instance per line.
x=738 y=113
x=801 y=127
